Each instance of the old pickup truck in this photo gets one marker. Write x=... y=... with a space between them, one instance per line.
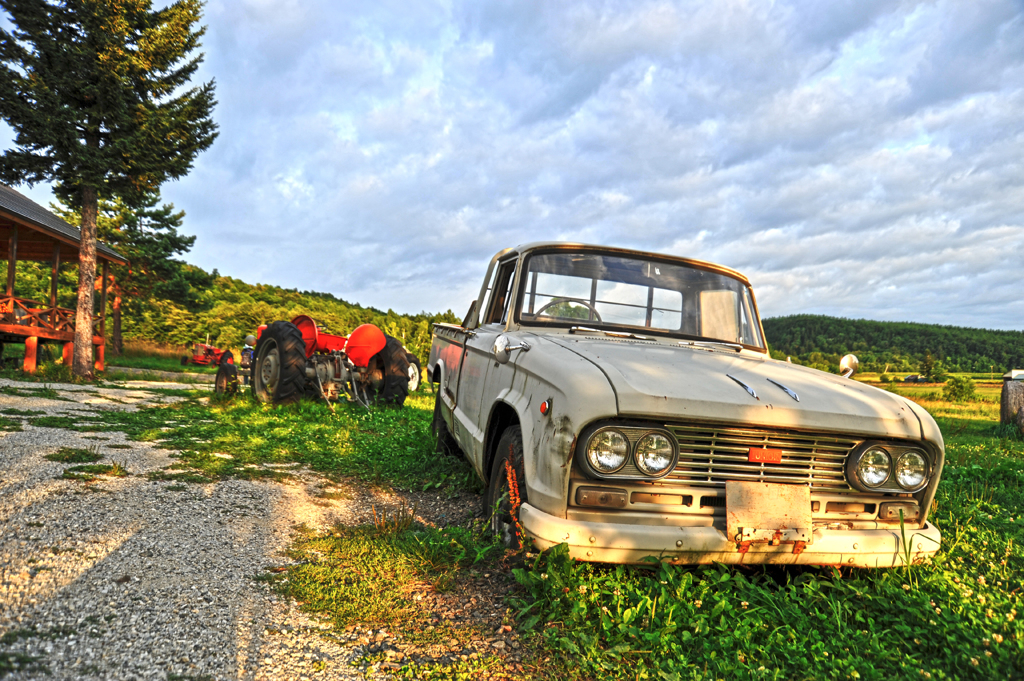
x=625 y=403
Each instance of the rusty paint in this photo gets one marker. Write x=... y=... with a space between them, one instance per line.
x=798 y=547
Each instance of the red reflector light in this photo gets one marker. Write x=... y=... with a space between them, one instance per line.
x=763 y=455
x=545 y=407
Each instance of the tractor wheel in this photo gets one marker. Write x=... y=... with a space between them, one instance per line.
x=185 y=360
x=415 y=372
x=506 y=489
x=226 y=382
x=387 y=375
x=279 y=372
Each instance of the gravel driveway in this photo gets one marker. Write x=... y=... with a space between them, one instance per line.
x=128 y=578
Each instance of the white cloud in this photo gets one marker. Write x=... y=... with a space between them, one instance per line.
x=852 y=157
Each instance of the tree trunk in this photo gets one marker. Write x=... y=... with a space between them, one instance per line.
x=82 y=365
x=116 y=320
x=1011 y=403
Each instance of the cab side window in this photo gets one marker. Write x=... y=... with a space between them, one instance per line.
x=501 y=294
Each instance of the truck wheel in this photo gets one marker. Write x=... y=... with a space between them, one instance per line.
x=279 y=372
x=506 y=489
x=443 y=440
x=415 y=372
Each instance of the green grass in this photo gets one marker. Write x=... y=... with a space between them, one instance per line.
x=172 y=364
x=88 y=472
x=74 y=455
x=238 y=436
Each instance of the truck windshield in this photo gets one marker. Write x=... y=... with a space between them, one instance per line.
x=636 y=295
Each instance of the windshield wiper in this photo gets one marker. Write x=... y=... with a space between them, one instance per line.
x=614 y=334
x=711 y=345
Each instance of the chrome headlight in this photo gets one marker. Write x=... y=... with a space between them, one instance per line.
x=869 y=470
x=655 y=454
x=607 y=451
x=911 y=470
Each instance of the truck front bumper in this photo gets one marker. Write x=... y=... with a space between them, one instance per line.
x=615 y=543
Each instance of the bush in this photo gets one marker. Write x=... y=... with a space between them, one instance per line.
x=958 y=389
x=884 y=378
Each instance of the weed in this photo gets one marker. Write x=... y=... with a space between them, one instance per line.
x=185 y=476
x=21 y=412
x=88 y=472
x=120 y=446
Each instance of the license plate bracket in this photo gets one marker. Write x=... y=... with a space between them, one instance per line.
x=766 y=512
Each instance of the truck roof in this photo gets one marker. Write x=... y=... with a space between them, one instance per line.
x=702 y=264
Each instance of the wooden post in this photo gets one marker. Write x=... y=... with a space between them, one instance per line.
x=12 y=259
x=103 y=301
x=31 y=344
x=68 y=354
x=54 y=272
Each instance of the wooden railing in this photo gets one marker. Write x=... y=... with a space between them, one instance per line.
x=31 y=314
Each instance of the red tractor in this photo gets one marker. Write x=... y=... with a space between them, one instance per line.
x=295 y=359
x=203 y=354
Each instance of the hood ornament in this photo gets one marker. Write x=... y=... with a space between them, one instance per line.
x=745 y=387
x=787 y=390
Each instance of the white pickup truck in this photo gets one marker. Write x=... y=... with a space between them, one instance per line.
x=624 y=403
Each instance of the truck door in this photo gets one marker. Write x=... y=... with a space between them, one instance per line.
x=480 y=380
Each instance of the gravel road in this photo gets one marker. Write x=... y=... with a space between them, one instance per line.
x=128 y=578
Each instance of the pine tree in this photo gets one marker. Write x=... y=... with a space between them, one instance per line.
x=96 y=93
x=148 y=237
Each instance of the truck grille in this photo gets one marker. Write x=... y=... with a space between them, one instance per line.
x=711 y=455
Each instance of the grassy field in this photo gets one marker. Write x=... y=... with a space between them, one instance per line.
x=956 y=617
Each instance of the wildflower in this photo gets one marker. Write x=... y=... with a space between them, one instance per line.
x=906 y=587
x=981 y=599
x=825 y=653
x=974 y=661
x=565 y=590
x=985 y=642
x=931 y=622
x=989 y=613
x=663 y=582
x=938 y=611
x=543 y=575
x=998 y=638
x=605 y=610
x=988 y=653
x=616 y=593
x=742 y=660
x=697 y=603
x=583 y=589
x=744 y=604
x=981 y=580
x=931 y=603
x=557 y=599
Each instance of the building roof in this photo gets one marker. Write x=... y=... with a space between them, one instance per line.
x=24 y=210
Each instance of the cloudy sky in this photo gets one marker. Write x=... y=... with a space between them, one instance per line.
x=857 y=158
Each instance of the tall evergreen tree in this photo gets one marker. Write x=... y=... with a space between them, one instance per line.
x=147 y=235
x=96 y=93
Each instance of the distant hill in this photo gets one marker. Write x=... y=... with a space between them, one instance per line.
x=816 y=339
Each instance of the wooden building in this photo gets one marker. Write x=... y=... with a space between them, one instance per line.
x=30 y=232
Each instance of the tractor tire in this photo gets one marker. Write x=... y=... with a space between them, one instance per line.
x=388 y=375
x=415 y=372
x=226 y=382
x=185 y=360
x=279 y=371
x=506 y=490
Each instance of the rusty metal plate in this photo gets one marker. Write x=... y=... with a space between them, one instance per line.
x=765 y=512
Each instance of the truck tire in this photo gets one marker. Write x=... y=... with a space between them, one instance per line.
x=279 y=372
x=415 y=372
x=444 y=442
x=506 y=489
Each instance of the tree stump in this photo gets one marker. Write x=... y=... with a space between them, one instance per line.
x=1011 y=409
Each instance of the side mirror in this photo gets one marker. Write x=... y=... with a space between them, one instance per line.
x=503 y=351
x=848 y=366
x=470 y=320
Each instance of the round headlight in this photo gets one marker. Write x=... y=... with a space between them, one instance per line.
x=607 y=451
x=873 y=467
x=911 y=470
x=654 y=454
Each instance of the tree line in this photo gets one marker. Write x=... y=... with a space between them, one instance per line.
x=894 y=346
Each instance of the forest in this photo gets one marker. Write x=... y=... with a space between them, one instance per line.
x=898 y=346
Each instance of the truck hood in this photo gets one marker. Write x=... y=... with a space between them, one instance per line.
x=652 y=379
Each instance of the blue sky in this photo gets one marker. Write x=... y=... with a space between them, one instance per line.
x=856 y=158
